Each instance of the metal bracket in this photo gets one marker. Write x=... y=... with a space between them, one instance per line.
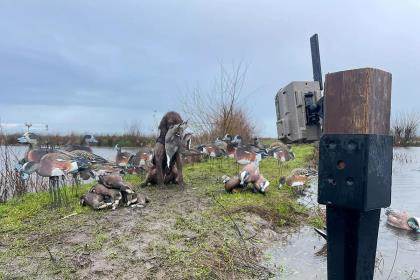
x=355 y=171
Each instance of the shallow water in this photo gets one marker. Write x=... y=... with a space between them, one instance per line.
x=295 y=257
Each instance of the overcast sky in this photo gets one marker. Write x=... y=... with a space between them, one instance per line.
x=97 y=66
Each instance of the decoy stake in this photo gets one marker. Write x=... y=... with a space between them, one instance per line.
x=355 y=168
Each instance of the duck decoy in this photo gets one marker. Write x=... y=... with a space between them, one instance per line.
x=122 y=159
x=231 y=184
x=298 y=177
x=402 y=220
x=251 y=174
x=84 y=145
x=34 y=152
x=56 y=165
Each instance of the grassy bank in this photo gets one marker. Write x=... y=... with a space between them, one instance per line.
x=201 y=232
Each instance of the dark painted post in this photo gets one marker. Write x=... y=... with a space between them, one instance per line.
x=355 y=168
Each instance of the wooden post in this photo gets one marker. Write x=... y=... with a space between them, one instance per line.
x=357 y=104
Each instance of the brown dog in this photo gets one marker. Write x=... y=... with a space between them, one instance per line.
x=159 y=158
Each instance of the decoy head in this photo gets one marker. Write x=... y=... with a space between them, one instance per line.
x=414 y=224
x=237 y=140
x=28 y=138
x=227 y=138
x=282 y=181
x=263 y=184
x=89 y=139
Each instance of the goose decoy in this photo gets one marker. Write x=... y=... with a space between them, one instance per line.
x=84 y=145
x=94 y=200
x=112 y=195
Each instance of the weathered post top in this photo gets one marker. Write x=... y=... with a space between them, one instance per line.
x=355 y=168
x=357 y=102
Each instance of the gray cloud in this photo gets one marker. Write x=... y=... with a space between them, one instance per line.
x=97 y=65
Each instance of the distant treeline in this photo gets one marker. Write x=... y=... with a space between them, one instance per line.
x=104 y=140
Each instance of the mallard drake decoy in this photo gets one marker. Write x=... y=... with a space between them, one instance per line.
x=84 y=145
x=94 y=200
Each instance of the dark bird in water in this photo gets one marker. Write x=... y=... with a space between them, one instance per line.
x=84 y=145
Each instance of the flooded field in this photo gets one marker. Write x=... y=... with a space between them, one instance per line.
x=295 y=257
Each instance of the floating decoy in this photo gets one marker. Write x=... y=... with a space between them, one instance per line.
x=84 y=145
x=402 y=220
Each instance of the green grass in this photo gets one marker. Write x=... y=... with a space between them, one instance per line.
x=201 y=244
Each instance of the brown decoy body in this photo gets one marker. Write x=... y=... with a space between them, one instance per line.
x=122 y=159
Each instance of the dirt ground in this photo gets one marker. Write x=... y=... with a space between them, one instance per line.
x=200 y=232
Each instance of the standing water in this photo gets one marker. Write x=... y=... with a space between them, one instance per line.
x=398 y=251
